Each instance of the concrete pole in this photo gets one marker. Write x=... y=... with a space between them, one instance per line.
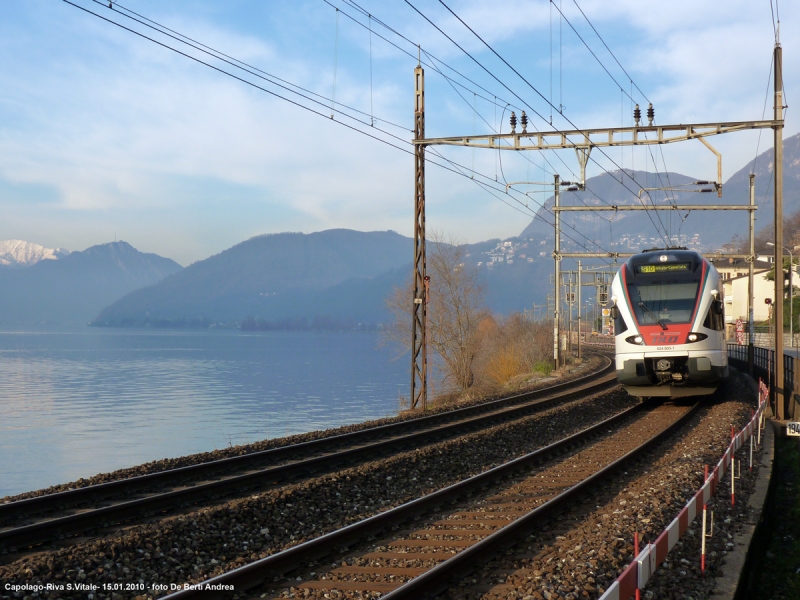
x=580 y=310
x=557 y=268
x=778 y=172
x=571 y=304
x=750 y=288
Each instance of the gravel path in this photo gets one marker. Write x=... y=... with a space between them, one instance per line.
x=592 y=363
x=203 y=543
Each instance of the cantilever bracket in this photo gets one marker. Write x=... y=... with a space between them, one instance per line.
x=582 y=152
x=718 y=185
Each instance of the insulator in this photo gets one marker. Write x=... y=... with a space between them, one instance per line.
x=513 y=121
x=651 y=114
x=524 y=120
x=637 y=114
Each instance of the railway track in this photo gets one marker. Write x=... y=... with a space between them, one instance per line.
x=35 y=521
x=418 y=549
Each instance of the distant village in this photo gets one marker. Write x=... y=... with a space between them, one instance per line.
x=507 y=252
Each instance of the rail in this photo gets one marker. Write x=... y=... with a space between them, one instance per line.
x=293 y=462
x=436 y=578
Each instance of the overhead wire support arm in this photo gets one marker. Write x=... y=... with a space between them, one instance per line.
x=583 y=140
x=679 y=207
x=596 y=138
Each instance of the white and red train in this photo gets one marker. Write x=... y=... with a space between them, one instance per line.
x=669 y=324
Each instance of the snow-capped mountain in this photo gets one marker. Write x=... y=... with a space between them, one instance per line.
x=17 y=254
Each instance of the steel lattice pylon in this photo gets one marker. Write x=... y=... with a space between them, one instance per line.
x=419 y=359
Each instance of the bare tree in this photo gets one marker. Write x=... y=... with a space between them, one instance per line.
x=514 y=347
x=455 y=310
x=791 y=237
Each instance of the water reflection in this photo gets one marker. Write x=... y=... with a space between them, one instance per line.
x=75 y=403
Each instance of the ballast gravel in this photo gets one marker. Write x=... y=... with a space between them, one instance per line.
x=580 y=553
x=204 y=543
x=593 y=363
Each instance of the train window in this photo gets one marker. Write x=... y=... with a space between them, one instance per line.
x=663 y=302
x=715 y=318
x=619 y=323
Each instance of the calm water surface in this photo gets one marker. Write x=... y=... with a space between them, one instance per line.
x=76 y=403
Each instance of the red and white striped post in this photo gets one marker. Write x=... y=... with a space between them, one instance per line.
x=752 y=439
x=733 y=469
x=635 y=555
x=703 y=544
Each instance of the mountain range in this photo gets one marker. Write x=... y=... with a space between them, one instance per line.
x=626 y=231
x=340 y=278
x=17 y=254
x=282 y=278
x=74 y=288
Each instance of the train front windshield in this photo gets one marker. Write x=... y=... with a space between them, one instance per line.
x=664 y=301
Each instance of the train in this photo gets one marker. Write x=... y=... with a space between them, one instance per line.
x=668 y=316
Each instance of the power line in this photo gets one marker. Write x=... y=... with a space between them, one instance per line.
x=529 y=85
x=453 y=83
x=609 y=51
x=255 y=71
x=763 y=113
x=532 y=87
x=600 y=62
x=316 y=112
x=575 y=31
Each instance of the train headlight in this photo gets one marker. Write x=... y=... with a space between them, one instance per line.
x=635 y=339
x=695 y=337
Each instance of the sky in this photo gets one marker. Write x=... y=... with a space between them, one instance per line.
x=107 y=135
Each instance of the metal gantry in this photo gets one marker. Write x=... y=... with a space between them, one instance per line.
x=582 y=141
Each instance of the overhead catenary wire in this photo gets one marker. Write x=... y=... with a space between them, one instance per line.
x=253 y=70
x=525 y=80
x=371 y=106
x=521 y=77
x=452 y=168
x=335 y=64
x=763 y=113
x=537 y=113
x=609 y=51
x=454 y=83
x=498 y=80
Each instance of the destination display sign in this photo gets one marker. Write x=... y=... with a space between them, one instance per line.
x=665 y=268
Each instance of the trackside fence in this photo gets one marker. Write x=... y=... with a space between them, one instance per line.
x=636 y=575
x=764 y=368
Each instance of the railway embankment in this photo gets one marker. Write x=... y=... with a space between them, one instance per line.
x=201 y=543
x=580 y=553
x=576 y=553
x=592 y=363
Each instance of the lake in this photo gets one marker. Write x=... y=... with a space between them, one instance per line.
x=78 y=402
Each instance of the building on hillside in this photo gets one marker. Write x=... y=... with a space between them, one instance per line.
x=734 y=274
